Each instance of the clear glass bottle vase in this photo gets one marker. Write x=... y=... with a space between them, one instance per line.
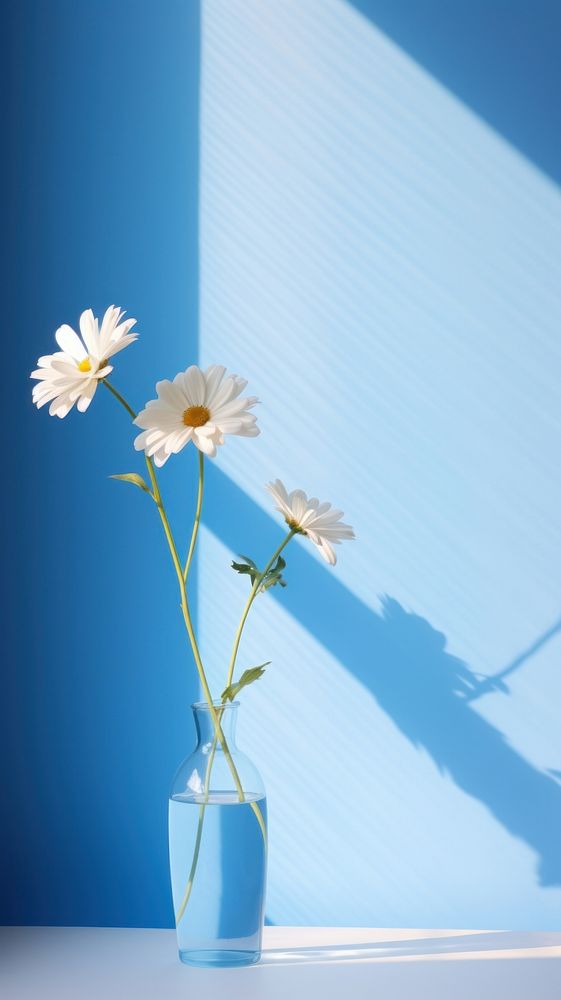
x=217 y=847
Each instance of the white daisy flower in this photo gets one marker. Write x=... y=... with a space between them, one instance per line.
x=198 y=406
x=317 y=520
x=72 y=374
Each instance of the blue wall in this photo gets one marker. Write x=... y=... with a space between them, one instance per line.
x=383 y=263
x=105 y=164
x=379 y=254
x=500 y=57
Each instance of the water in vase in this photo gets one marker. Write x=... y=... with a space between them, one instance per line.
x=222 y=921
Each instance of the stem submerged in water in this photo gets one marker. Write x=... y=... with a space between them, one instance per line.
x=199 y=835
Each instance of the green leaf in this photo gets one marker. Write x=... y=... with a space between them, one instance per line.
x=248 y=677
x=248 y=567
x=250 y=561
x=272 y=577
x=135 y=479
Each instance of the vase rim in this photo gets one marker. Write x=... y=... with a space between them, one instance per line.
x=203 y=705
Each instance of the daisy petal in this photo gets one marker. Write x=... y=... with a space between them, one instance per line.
x=203 y=443
x=89 y=331
x=213 y=378
x=70 y=343
x=87 y=396
x=195 y=386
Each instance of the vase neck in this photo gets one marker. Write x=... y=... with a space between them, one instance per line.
x=204 y=724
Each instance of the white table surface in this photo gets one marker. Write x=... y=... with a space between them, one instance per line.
x=318 y=963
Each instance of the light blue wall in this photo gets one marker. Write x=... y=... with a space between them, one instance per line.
x=383 y=265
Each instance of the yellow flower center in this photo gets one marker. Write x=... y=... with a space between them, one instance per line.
x=85 y=365
x=196 y=416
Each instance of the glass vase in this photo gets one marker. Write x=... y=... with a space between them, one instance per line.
x=217 y=847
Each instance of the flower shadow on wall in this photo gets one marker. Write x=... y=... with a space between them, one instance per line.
x=402 y=660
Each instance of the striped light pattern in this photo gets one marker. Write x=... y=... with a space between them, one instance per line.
x=385 y=270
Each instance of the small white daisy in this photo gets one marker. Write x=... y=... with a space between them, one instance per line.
x=72 y=374
x=198 y=406
x=317 y=520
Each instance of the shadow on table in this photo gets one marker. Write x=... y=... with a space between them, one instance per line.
x=494 y=943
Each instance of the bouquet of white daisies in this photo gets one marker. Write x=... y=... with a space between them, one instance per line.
x=198 y=407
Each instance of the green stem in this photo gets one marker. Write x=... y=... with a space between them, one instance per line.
x=121 y=399
x=199 y=835
x=187 y=615
x=253 y=593
x=203 y=805
x=197 y=520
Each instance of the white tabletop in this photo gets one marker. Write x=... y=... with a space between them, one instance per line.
x=322 y=963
